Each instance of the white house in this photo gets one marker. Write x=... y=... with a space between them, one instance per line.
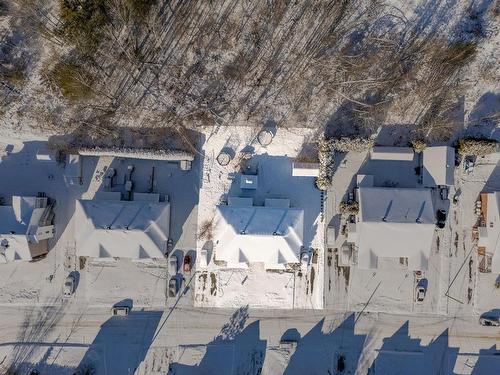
x=489 y=233
x=271 y=234
x=125 y=229
x=394 y=223
x=25 y=227
x=438 y=166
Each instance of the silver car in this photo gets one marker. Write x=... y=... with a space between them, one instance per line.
x=489 y=321
x=69 y=286
x=173 y=265
x=420 y=294
x=173 y=287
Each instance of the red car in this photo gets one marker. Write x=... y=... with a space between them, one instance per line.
x=187 y=263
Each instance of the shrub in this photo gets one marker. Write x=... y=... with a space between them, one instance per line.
x=345 y=144
x=418 y=145
x=83 y=22
x=206 y=230
x=72 y=80
x=140 y=8
x=351 y=208
x=326 y=160
x=16 y=77
x=476 y=146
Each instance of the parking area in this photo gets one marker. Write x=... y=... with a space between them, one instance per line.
x=394 y=288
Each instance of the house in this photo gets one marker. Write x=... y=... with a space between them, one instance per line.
x=25 y=228
x=489 y=232
x=107 y=228
x=438 y=166
x=271 y=234
x=393 y=223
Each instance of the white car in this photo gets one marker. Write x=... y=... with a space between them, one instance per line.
x=120 y=310
x=489 y=320
x=69 y=287
x=420 y=294
x=304 y=259
x=173 y=265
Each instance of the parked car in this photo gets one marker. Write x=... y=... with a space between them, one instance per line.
x=304 y=259
x=441 y=218
x=419 y=294
x=489 y=320
x=456 y=196
x=444 y=193
x=187 y=263
x=69 y=286
x=173 y=287
x=120 y=310
x=173 y=265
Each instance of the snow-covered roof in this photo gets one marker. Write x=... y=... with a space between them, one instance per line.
x=125 y=229
x=305 y=169
x=14 y=223
x=271 y=235
x=492 y=230
x=395 y=223
x=438 y=165
x=392 y=153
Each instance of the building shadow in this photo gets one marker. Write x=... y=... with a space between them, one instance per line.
x=327 y=351
x=121 y=344
x=493 y=182
x=401 y=354
x=237 y=349
x=488 y=362
x=178 y=187
x=484 y=118
x=398 y=135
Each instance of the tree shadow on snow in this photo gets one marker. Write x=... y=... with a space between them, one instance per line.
x=38 y=325
x=484 y=117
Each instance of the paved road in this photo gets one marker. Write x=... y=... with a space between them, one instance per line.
x=50 y=329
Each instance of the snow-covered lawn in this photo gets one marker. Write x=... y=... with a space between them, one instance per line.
x=106 y=283
x=256 y=286
x=487 y=295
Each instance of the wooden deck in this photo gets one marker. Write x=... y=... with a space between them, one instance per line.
x=484 y=207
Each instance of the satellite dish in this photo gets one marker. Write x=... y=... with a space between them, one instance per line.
x=223 y=158
x=265 y=137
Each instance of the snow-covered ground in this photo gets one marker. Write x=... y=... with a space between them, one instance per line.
x=98 y=283
x=440 y=336
x=244 y=341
